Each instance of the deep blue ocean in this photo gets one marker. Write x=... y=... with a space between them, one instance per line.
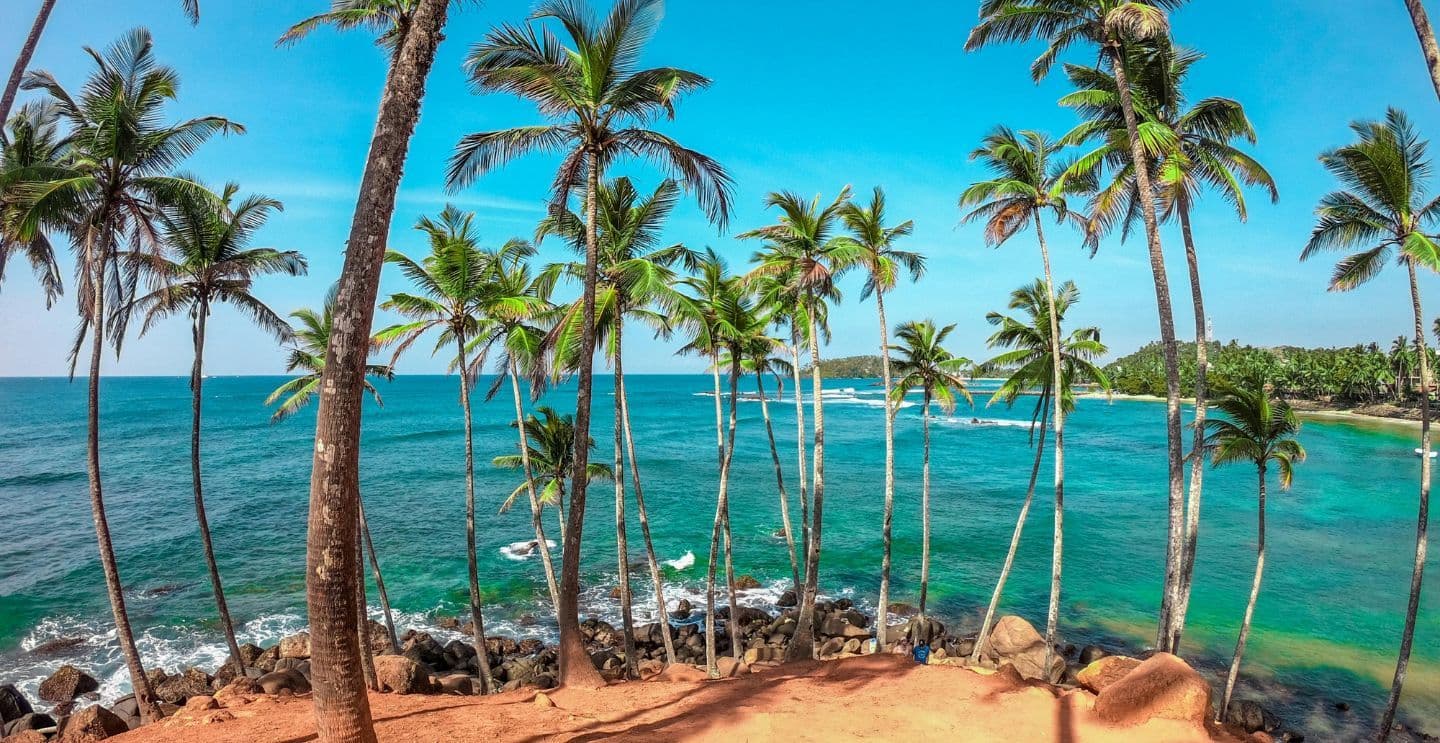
x=1326 y=628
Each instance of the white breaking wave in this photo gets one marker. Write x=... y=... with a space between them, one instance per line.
x=682 y=562
x=524 y=550
x=984 y=422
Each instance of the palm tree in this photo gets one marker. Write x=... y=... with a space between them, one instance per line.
x=760 y=360
x=550 y=451
x=883 y=264
x=389 y=20
x=1031 y=359
x=108 y=192
x=1421 y=20
x=32 y=40
x=1385 y=210
x=804 y=248
x=1114 y=27
x=33 y=148
x=1260 y=429
x=342 y=711
x=926 y=365
x=1029 y=182
x=212 y=264
x=451 y=281
x=1191 y=150
x=635 y=281
x=599 y=104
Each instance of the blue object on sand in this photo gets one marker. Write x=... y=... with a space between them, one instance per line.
x=921 y=654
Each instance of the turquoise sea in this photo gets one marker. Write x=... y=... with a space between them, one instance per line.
x=1327 y=625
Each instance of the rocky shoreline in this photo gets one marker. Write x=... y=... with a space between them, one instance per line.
x=425 y=665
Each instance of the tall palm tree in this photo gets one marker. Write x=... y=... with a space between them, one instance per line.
x=389 y=20
x=550 y=451
x=32 y=40
x=1029 y=182
x=883 y=264
x=109 y=193
x=1115 y=27
x=635 y=282
x=1191 y=149
x=211 y=264
x=1031 y=360
x=1385 y=210
x=450 y=282
x=599 y=104
x=926 y=365
x=1423 y=31
x=804 y=247
x=1259 y=428
x=33 y=148
x=342 y=711
x=760 y=360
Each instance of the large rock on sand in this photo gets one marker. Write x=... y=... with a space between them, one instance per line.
x=1105 y=671
x=1163 y=686
x=1016 y=641
x=295 y=646
x=400 y=675
x=67 y=683
x=90 y=724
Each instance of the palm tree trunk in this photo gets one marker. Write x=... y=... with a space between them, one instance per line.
x=802 y=643
x=535 y=506
x=800 y=456
x=722 y=521
x=719 y=415
x=882 y=609
x=924 y=508
x=779 y=478
x=575 y=666
x=379 y=580
x=1417 y=577
x=1057 y=382
x=1249 y=606
x=477 y=619
x=660 y=607
x=23 y=61
x=1165 y=635
x=723 y=451
x=144 y=696
x=984 y=635
x=342 y=709
x=1197 y=462
x=196 y=379
x=622 y=543
x=362 y=622
x=1427 y=40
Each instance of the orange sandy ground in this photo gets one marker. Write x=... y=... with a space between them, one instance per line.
x=876 y=697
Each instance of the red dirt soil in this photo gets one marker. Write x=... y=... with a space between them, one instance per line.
x=876 y=697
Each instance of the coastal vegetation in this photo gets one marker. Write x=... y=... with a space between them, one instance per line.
x=98 y=168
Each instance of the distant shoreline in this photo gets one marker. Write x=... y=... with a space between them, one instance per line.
x=1380 y=413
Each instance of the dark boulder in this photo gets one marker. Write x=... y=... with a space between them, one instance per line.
x=1250 y=716
x=682 y=610
x=282 y=681
x=787 y=599
x=31 y=721
x=180 y=687
x=746 y=583
x=67 y=683
x=1091 y=653
x=92 y=723
x=13 y=704
x=58 y=646
x=842 y=605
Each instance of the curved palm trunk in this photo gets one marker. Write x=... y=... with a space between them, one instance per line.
x=722 y=522
x=196 y=379
x=379 y=579
x=1197 y=462
x=362 y=623
x=535 y=506
x=1417 y=577
x=1167 y=631
x=144 y=696
x=779 y=479
x=984 y=635
x=1057 y=382
x=1249 y=606
x=575 y=666
x=23 y=61
x=882 y=609
x=802 y=643
x=477 y=619
x=1426 y=34
x=924 y=508
x=660 y=607
x=800 y=456
x=342 y=709
x=622 y=544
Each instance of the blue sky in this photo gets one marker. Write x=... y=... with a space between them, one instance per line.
x=808 y=96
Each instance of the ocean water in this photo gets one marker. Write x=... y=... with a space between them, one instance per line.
x=1326 y=628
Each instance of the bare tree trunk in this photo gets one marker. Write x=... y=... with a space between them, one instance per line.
x=1417 y=577
x=800 y=457
x=23 y=61
x=575 y=666
x=1057 y=382
x=535 y=505
x=379 y=580
x=1197 y=462
x=342 y=709
x=663 y=618
x=1249 y=607
x=802 y=643
x=1165 y=636
x=990 y=610
x=1427 y=40
x=924 y=508
x=779 y=478
x=882 y=609
x=622 y=543
x=477 y=619
x=362 y=623
x=722 y=523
